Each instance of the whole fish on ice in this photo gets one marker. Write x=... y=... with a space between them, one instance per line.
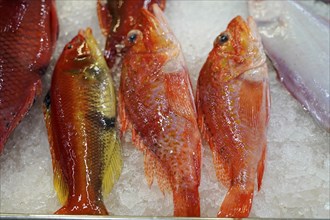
x=156 y=102
x=233 y=109
x=117 y=18
x=298 y=43
x=28 y=33
x=80 y=115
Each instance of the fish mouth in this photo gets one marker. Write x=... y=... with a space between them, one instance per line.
x=253 y=28
x=257 y=41
x=162 y=19
x=156 y=20
x=92 y=45
x=155 y=26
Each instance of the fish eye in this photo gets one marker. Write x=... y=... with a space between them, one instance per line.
x=223 y=38
x=133 y=35
x=69 y=46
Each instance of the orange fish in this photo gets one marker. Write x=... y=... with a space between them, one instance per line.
x=117 y=18
x=28 y=33
x=233 y=109
x=156 y=102
x=80 y=115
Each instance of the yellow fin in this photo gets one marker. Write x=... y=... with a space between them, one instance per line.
x=60 y=185
x=113 y=162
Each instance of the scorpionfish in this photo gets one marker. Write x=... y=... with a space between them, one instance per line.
x=80 y=115
x=117 y=18
x=233 y=112
x=28 y=33
x=157 y=103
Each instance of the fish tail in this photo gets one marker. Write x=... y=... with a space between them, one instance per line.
x=186 y=202
x=237 y=203
x=74 y=209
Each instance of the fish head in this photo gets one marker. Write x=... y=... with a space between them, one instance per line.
x=237 y=49
x=82 y=58
x=151 y=34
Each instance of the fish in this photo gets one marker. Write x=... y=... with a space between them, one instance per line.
x=28 y=35
x=117 y=18
x=156 y=102
x=80 y=117
x=233 y=102
x=297 y=42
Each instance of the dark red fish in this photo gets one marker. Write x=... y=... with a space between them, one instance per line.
x=28 y=32
x=117 y=18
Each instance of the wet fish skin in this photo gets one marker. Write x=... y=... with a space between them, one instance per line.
x=28 y=33
x=80 y=115
x=156 y=102
x=297 y=42
x=117 y=18
x=232 y=100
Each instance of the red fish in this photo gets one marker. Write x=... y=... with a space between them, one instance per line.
x=80 y=114
x=117 y=18
x=233 y=110
x=156 y=102
x=28 y=33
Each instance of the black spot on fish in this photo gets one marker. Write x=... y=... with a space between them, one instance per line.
x=42 y=70
x=110 y=122
x=47 y=100
x=103 y=121
x=7 y=125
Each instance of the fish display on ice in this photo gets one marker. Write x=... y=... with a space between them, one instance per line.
x=117 y=18
x=298 y=44
x=28 y=33
x=157 y=103
x=233 y=104
x=80 y=115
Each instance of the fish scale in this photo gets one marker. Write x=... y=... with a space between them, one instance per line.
x=156 y=102
x=27 y=39
x=80 y=119
x=233 y=108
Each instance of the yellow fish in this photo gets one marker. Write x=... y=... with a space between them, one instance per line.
x=80 y=115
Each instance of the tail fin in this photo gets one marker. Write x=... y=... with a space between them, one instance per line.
x=80 y=209
x=186 y=202
x=237 y=203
